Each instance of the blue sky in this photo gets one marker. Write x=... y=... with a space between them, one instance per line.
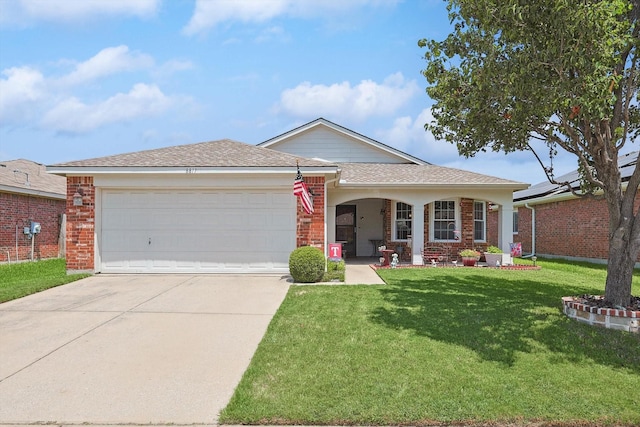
x=83 y=79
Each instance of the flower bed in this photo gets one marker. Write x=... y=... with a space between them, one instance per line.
x=459 y=265
x=586 y=310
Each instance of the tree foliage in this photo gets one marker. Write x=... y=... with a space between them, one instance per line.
x=564 y=72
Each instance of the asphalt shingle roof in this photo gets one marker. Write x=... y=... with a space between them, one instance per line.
x=408 y=174
x=25 y=176
x=222 y=153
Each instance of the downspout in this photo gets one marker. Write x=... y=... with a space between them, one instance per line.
x=533 y=229
x=326 y=186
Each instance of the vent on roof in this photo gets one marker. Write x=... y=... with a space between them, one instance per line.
x=27 y=183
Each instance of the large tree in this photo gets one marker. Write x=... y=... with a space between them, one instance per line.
x=564 y=72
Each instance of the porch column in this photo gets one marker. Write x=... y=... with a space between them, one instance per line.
x=505 y=226
x=330 y=227
x=417 y=234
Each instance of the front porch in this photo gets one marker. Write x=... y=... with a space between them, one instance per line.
x=409 y=225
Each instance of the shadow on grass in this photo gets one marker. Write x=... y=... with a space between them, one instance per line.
x=497 y=320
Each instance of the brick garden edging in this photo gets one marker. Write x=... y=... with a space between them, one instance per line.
x=624 y=320
x=449 y=265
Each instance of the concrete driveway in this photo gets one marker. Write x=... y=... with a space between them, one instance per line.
x=132 y=349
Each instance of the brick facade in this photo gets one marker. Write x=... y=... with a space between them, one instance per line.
x=16 y=212
x=80 y=225
x=450 y=248
x=575 y=228
x=310 y=227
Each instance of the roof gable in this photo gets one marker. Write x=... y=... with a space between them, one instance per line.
x=331 y=142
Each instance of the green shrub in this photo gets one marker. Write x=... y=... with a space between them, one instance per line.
x=494 y=250
x=306 y=264
x=470 y=253
x=335 y=271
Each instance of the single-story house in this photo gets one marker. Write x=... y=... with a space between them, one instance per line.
x=226 y=206
x=552 y=222
x=30 y=196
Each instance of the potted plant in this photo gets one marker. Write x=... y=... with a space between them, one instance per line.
x=469 y=257
x=493 y=256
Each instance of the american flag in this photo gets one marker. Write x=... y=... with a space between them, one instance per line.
x=300 y=190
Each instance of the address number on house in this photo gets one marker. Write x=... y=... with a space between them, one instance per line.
x=191 y=170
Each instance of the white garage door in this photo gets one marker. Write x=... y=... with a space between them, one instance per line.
x=221 y=231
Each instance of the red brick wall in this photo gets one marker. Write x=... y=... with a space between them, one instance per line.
x=568 y=228
x=466 y=232
x=80 y=224
x=310 y=228
x=19 y=210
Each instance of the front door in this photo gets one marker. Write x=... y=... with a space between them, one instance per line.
x=346 y=229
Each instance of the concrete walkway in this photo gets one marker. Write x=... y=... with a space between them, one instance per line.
x=361 y=273
x=143 y=349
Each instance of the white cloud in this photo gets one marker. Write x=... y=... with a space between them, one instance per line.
x=28 y=97
x=73 y=116
x=21 y=12
x=359 y=102
x=409 y=135
x=108 y=61
x=209 y=13
x=21 y=88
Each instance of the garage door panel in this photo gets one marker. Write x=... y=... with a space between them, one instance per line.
x=197 y=231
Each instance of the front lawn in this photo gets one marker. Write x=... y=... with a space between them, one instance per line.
x=437 y=346
x=25 y=278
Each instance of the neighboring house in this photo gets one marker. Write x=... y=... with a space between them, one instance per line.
x=225 y=206
x=552 y=222
x=29 y=194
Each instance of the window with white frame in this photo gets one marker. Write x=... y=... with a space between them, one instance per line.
x=444 y=220
x=479 y=221
x=515 y=221
x=402 y=223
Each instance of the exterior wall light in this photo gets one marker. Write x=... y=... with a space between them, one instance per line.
x=77 y=197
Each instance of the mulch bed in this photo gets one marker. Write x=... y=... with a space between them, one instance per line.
x=598 y=301
x=449 y=265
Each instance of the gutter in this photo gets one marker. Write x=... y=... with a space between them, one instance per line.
x=31 y=192
x=83 y=171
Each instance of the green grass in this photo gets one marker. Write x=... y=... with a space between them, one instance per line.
x=438 y=346
x=22 y=279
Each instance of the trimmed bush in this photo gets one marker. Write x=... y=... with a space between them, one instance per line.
x=306 y=264
x=335 y=271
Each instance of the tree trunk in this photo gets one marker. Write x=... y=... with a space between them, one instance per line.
x=619 y=273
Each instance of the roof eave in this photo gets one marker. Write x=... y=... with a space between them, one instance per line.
x=107 y=170
x=32 y=192
x=507 y=186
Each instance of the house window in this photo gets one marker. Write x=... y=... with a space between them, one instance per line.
x=444 y=220
x=479 y=221
x=402 y=223
x=515 y=221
